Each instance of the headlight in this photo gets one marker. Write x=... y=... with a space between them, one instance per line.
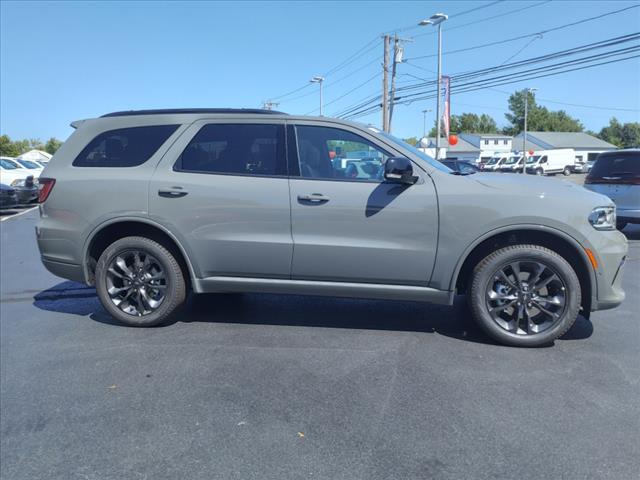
x=18 y=183
x=603 y=218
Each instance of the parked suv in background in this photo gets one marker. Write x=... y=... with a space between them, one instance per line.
x=616 y=174
x=147 y=205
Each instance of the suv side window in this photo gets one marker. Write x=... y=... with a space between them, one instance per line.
x=235 y=149
x=332 y=153
x=124 y=147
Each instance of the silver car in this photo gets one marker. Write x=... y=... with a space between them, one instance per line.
x=616 y=174
x=150 y=205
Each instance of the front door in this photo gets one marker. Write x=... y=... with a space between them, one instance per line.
x=222 y=190
x=350 y=225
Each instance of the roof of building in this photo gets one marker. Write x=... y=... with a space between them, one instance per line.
x=169 y=111
x=551 y=140
x=461 y=146
x=36 y=155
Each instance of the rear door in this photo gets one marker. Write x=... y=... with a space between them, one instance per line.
x=222 y=190
x=349 y=224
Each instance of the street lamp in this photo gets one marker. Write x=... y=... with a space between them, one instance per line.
x=436 y=20
x=524 y=134
x=424 y=122
x=318 y=79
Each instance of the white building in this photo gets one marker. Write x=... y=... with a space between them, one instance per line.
x=586 y=146
x=472 y=147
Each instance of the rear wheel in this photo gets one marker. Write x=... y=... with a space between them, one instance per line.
x=139 y=282
x=567 y=171
x=525 y=295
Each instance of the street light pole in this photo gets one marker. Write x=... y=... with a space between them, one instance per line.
x=318 y=79
x=424 y=122
x=524 y=134
x=437 y=20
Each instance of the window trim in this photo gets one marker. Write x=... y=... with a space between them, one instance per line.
x=341 y=128
x=281 y=125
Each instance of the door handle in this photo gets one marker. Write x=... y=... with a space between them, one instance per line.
x=173 y=192
x=313 y=198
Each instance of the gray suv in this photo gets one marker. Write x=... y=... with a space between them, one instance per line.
x=149 y=205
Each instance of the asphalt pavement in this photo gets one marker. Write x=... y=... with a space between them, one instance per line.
x=250 y=386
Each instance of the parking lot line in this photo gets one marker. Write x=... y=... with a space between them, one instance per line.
x=17 y=214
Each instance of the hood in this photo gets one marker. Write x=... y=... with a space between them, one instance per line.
x=538 y=186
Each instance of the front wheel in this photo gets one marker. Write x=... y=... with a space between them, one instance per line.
x=139 y=282
x=539 y=171
x=525 y=295
x=567 y=171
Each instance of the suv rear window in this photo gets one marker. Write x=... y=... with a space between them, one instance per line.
x=240 y=149
x=125 y=147
x=617 y=164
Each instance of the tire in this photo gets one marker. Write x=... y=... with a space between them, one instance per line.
x=567 y=171
x=161 y=263
x=564 y=285
x=620 y=224
x=539 y=171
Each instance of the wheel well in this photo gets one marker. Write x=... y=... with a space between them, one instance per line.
x=553 y=242
x=116 y=231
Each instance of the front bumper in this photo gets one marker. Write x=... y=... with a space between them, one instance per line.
x=612 y=249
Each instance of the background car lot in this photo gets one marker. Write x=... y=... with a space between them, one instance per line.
x=267 y=386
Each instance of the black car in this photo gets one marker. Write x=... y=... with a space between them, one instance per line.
x=27 y=190
x=461 y=166
x=8 y=197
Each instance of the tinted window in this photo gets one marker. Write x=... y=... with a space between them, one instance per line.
x=618 y=164
x=243 y=149
x=125 y=147
x=338 y=154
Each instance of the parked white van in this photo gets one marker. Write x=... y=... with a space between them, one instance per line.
x=494 y=163
x=550 y=162
x=512 y=164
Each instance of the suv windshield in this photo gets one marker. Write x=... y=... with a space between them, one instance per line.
x=617 y=164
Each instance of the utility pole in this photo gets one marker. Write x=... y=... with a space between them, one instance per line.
x=397 y=59
x=524 y=132
x=385 y=84
x=268 y=105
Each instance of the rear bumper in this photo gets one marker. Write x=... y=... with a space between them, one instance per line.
x=64 y=270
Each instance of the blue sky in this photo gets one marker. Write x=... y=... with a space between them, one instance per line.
x=62 y=61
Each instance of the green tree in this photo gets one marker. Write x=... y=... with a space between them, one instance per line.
x=52 y=145
x=623 y=136
x=470 y=123
x=8 y=148
x=411 y=140
x=539 y=119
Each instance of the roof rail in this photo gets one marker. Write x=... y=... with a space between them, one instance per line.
x=169 y=111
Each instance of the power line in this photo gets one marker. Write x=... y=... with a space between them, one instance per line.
x=347 y=93
x=480 y=85
x=542 y=32
x=486 y=19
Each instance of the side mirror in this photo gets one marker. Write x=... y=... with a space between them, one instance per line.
x=399 y=170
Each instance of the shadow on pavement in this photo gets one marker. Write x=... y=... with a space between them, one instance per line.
x=300 y=311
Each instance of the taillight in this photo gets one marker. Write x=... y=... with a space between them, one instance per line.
x=46 y=185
